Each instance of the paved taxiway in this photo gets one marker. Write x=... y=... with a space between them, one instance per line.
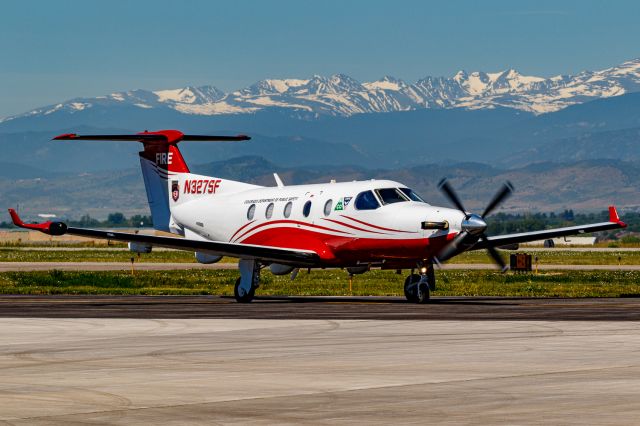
x=148 y=266
x=248 y=371
x=325 y=308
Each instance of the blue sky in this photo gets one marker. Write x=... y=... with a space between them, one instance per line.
x=57 y=50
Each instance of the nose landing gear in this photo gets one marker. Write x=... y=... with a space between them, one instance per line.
x=418 y=287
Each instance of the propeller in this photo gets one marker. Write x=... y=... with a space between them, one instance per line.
x=473 y=225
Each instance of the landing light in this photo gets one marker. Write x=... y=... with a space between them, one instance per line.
x=435 y=225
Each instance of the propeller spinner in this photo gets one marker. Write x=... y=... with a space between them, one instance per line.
x=473 y=226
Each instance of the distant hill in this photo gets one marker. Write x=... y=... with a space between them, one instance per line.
x=582 y=186
x=19 y=171
x=615 y=144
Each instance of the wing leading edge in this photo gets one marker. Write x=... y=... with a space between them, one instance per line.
x=503 y=240
x=244 y=251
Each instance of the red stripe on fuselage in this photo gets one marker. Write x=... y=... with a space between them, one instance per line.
x=292 y=222
x=354 y=227
x=240 y=229
x=377 y=227
x=338 y=250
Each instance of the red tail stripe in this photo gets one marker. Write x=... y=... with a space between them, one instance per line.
x=177 y=163
x=377 y=227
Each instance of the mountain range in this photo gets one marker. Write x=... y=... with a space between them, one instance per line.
x=567 y=141
x=341 y=95
x=584 y=185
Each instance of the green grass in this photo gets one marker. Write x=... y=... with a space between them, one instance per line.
x=326 y=283
x=555 y=257
x=90 y=255
x=560 y=257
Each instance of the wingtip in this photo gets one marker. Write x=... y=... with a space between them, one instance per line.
x=614 y=217
x=15 y=218
x=50 y=228
x=65 y=137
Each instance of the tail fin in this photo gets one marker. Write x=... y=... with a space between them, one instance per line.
x=167 y=178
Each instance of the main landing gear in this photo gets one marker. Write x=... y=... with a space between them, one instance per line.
x=418 y=287
x=249 y=280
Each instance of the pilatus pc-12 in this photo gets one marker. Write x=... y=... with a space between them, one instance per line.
x=352 y=225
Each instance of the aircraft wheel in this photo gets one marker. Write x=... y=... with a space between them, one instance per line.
x=425 y=292
x=411 y=288
x=245 y=298
x=431 y=278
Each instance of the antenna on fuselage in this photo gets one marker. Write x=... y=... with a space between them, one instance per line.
x=278 y=180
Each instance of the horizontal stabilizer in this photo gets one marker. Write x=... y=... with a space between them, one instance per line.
x=162 y=136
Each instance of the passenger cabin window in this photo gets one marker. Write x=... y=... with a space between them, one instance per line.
x=366 y=201
x=412 y=195
x=391 y=195
x=327 y=207
x=251 y=211
x=306 y=209
x=287 y=209
x=269 y=211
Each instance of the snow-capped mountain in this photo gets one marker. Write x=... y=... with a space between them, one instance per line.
x=341 y=95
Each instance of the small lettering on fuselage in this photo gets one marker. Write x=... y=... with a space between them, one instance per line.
x=270 y=200
x=201 y=186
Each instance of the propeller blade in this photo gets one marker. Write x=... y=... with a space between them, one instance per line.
x=497 y=258
x=503 y=193
x=451 y=249
x=451 y=195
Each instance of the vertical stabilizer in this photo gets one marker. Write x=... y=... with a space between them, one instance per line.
x=167 y=179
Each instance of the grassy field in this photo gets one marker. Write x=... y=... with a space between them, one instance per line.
x=561 y=257
x=92 y=255
x=328 y=283
x=556 y=257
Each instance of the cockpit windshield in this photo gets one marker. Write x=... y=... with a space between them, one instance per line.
x=391 y=195
x=366 y=201
x=412 y=195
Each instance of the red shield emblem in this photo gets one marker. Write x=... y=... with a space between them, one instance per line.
x=175 y=191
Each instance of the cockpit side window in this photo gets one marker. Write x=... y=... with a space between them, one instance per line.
x=366 y=201
x=412 y=195
x=391 y=195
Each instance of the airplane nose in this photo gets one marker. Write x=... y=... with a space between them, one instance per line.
x=474 y=224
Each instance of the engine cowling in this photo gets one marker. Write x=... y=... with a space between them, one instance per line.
x=139 y=247
x=206 y=258
x=277 y=269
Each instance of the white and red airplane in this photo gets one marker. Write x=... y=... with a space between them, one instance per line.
x=353 y=225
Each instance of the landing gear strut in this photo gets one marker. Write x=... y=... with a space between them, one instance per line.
x=417 y=288
x=248 y=281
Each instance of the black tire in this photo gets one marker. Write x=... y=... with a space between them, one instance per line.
x=410 y=288
x=425 y=294
x=247 y=298
x=431 y=277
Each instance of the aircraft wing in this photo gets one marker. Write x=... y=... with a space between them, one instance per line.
x=503 y=240
x=245 y=251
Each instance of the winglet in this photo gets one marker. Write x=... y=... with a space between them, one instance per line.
x=51 y=228
x=613 y=217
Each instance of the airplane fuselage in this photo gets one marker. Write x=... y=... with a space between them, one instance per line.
x=329 y=219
